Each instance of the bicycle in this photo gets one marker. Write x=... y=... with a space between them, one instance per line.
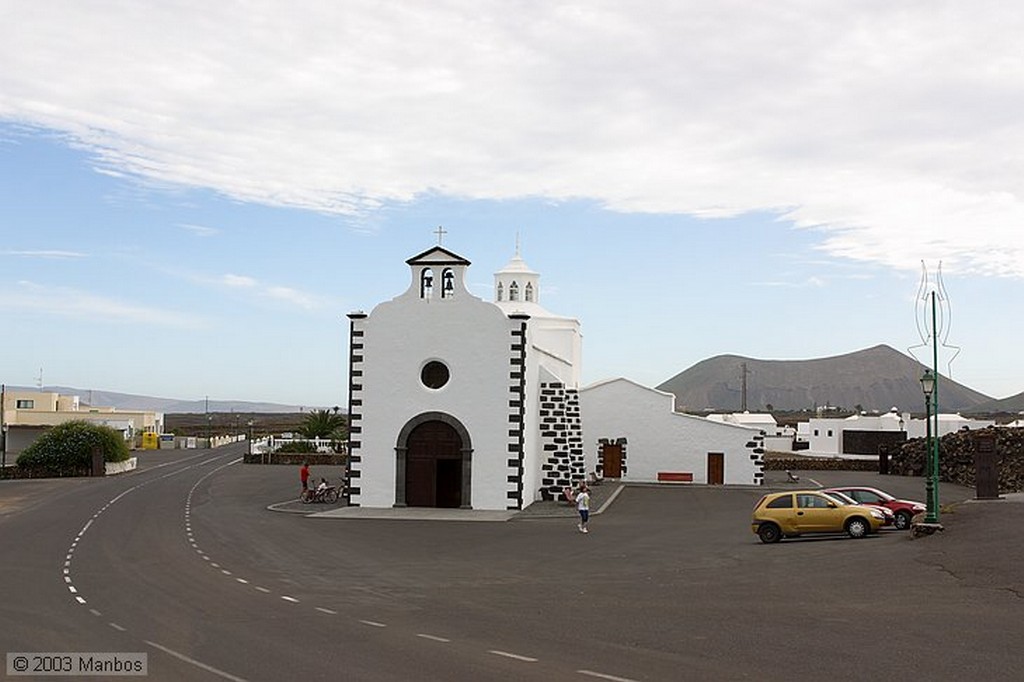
x=328 y=495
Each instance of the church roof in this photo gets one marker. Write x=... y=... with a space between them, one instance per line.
x=516 y=266
x=437 y=255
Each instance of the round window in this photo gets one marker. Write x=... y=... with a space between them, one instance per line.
x=434 y=374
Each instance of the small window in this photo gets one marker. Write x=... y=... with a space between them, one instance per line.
x=815 y=432
x=501 y=292
x=434 y=374
x=25 y=405
x=782 y=502
x=529 y=291
x=513 y=292
x=830 y=433
x=811 y=502
x=866 y=497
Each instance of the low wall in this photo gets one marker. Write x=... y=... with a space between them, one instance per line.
x=296 y=458
x=819 y=464
x=121 y=467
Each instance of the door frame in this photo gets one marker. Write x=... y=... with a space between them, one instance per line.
x=402 y=455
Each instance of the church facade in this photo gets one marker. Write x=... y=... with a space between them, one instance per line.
x=455 y=401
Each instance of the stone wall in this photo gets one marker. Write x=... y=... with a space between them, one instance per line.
x=819 y=464
x=561 y=434
x=956 y=457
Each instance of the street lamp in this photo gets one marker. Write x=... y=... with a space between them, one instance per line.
x=931 y=484
x=249 y=424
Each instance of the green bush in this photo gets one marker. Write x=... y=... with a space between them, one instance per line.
x=67 y=448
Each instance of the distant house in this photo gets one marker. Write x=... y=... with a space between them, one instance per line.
x=861 y=434
x=762 y=421
x=27 y=414
x=632 y=433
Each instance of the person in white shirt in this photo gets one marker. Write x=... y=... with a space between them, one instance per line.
x=583 y=507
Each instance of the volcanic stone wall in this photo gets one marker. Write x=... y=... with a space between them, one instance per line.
x=561 y=437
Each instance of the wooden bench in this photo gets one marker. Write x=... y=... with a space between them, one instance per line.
x=675 y=477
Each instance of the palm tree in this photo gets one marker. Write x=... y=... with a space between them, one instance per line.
x=324 y=424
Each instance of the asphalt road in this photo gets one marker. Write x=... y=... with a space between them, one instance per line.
x=182 y=560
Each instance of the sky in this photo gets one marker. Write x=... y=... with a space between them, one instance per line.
x=193 y=195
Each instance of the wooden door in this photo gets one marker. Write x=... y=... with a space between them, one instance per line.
x=611 y=458
x=716 y=468
x=433 y=467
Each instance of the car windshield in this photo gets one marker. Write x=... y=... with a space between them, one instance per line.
x=885 y=496
x=841 y=498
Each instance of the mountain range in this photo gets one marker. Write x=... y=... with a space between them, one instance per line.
x=877 y=378
x=130 y=401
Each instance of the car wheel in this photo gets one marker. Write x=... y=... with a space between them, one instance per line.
x=903 y=519
x=769 y=533
x=857 y=527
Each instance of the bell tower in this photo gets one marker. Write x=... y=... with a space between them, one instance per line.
x=516 y=282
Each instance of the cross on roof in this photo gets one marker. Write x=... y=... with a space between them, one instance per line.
x=440 y=232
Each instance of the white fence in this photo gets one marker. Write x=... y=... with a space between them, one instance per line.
x=267 y=444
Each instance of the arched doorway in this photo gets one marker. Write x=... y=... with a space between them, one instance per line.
x=434 y=458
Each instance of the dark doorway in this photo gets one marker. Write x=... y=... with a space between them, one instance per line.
x=611 y=460
x=716 y=468
x=433 y=473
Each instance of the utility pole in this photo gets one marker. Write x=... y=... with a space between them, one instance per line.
x=744 y=372
x=3 y=431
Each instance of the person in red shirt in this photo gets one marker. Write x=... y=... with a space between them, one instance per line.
x=304 y=477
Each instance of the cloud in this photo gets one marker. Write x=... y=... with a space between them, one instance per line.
x=70 y=302
x=889 y=129
x=285 y=294
x=238 y=281
x=199 y=230
x=50 y=254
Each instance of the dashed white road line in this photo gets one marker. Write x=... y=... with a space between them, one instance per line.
x=517 y=657
x=603 y=676
x=192 y=661
x=191 y=539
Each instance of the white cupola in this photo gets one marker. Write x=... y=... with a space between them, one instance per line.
x=516 y=282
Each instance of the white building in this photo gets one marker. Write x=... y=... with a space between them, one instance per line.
x=633 y=433
x=832 y=437
x=28 y=414
x=459 y=402
x=761 y=421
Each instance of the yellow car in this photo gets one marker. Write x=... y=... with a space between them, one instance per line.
x=789 y=514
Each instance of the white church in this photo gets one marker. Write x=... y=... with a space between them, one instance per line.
x=455 y=401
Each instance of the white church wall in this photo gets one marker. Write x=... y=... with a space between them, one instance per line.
x=658 y=439
x=560 y=344
x=472 y=338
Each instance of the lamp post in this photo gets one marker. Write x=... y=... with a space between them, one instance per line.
x=931 y=485
x=249 y=424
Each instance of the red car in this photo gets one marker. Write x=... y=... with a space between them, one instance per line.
x=905 y=510
x=890 y=517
